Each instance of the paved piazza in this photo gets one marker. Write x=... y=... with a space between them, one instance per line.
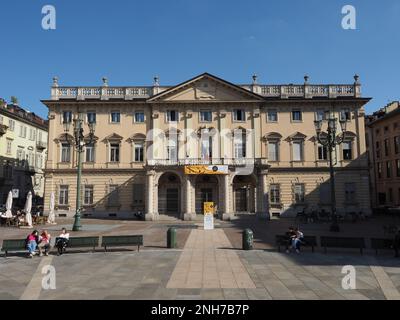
x=206 y=265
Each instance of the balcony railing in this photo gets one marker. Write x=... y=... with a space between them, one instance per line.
x=41 y=145
x=192 y=162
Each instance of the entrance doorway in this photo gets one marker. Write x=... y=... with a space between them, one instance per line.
x=244 y=189
x=169 y=195
x=241 y=197
x=206 y=191
x=172 y=200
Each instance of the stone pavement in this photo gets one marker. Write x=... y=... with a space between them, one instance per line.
x=207 y=265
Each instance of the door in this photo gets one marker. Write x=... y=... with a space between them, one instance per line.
x=173 y=201
x=206 y=196
x=241 y=200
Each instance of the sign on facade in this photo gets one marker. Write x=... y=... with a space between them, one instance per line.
x=209 y=210
x=194 y=170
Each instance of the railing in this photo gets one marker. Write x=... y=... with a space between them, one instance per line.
x=41 y=145
x=307 y=91
x=189 y=162
x=310 y=91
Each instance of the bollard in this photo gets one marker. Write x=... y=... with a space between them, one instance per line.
x=248 y=239
x=171 y=238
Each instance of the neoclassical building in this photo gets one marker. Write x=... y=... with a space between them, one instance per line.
x=166 y=150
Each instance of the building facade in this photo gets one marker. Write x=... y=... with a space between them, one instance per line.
x=166 y=151
x=383 y=145
x=23 y=151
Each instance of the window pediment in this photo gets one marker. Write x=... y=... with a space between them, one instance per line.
x=297 y=136
x=113 y=137
x=273 y=136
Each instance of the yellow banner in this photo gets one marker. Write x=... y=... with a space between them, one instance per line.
x=209 y=208
x=193 y=170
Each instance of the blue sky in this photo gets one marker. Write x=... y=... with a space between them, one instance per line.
x=131 y=41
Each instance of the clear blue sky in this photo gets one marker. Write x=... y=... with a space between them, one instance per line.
x=131 y=41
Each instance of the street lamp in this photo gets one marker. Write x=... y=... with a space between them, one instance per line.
x=330 y=140
x=80 y=144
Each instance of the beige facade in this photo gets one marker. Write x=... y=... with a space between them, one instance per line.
x=260 y=137
x=383 y=136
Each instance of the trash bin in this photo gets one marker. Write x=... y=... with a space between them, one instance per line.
x=248 y=239
x=171 y=238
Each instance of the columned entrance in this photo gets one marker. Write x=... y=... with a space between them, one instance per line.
x=169 y=195
x=206 y=191
x=244 y=192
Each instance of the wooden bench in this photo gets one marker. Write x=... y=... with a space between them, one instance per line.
x=122 y=241
x=378 y=244
x=83 y=242
x=350 y=243
x=13 y=245
x=309 y=241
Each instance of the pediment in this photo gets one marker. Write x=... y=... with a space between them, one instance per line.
x=206 y=88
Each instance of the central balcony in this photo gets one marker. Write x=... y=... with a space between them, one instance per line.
x=207 y=162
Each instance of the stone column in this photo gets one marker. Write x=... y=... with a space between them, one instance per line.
x=151 y=208
x=262 y=197
x=227 y=213
x=189 y=214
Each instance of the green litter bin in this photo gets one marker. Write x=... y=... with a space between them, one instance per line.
x=248 y=238
x=171 y=238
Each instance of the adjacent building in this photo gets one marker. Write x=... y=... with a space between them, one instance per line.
x=167 y=150
x=383 y=141
x=23 y=151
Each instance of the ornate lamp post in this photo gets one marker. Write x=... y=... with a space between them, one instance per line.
x=330 y=140
x=80 y=144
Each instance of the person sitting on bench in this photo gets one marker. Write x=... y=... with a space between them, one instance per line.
x=297 y=240
x=290 y=235
x=62 y=241
x=44 y=243
x=32 y=242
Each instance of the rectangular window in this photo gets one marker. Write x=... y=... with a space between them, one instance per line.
x=275 y=194
x=345 y=115
x=378 y=150
x=11 y=124
x=398 y=168
x=297 y=115
x=139 y=117
x=91 y=117
x=114 y=152
x=31 y=132
x=113 y=197
x=88 y=195
x=115 y=117
x=299 y=193
x=272 y=116
x=172 y=116
x=205 y=116
x=396 y=144
x=138 y=195
x=273 y=151
x=322 y=152
x=240 y=146
x=239 y=115
x=386 y=147
x=67 y=117
x=9 y=146
x=63 y=196
x=379 y=165
x=139 y=152
x=65 y=152
x=20 y=154
x=350 y=192
x=320 y=115
x=325 y=193
x=206 y=148
x=89 y=149
x=39 y=161
x=388 y=169
x=22 y=131
x=297 y=151
x=347 y=150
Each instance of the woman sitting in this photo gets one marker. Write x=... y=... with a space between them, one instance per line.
x=62 y=241
x=32 y=242
x=44 y=243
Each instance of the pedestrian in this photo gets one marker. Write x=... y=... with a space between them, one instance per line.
x=44 y=243
x=298 y=239
x=32 y=243
x=62 y=241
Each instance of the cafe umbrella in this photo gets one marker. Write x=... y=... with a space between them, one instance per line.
x=28 y=209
